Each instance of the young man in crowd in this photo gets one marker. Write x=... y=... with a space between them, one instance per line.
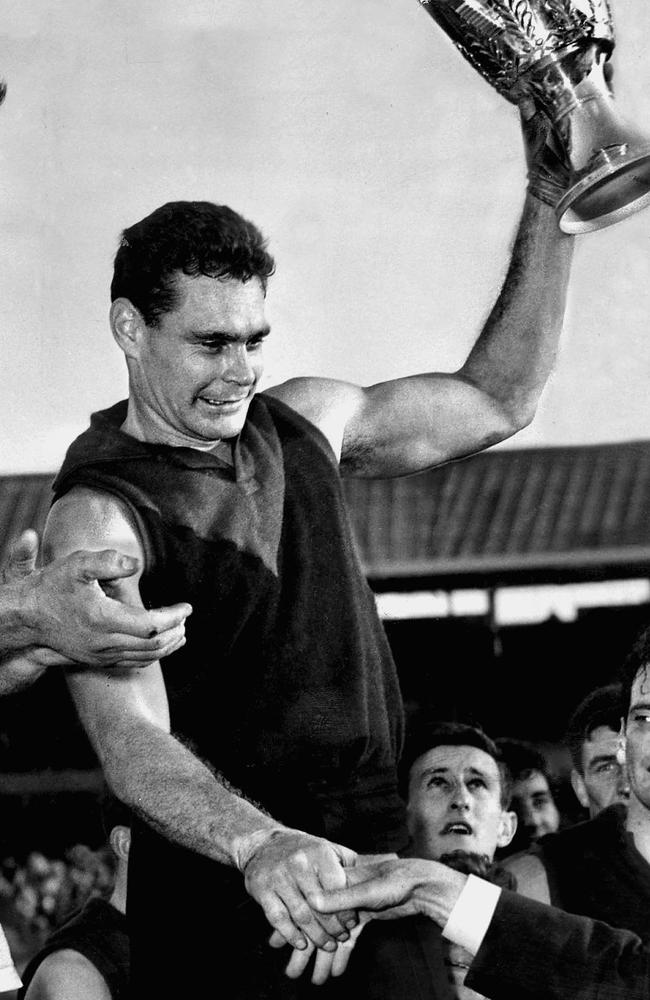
x=598 y=774
x=532 y=793
x=458 y=794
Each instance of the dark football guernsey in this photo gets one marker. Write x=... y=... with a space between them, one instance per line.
x=286 y=684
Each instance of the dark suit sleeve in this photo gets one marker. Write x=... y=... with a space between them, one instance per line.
x=536 y=952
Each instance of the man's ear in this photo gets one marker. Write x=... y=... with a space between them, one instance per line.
x=120 y=840
x=507 y=828
x=579 y=787
x=127 y=326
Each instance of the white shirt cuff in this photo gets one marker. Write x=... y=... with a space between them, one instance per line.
x=470 y=918
x=9 y=978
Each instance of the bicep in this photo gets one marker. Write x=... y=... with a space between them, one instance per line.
x=402 y=426
x=67 y=975
x=107 y=700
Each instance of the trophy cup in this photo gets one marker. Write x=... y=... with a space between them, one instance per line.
x=554 y=52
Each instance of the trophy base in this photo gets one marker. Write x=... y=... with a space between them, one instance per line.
x=617 y=186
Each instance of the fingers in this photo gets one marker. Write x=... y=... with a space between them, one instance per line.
x=107 y=564
x=163 y=619
x=139 y=630
x=22 y=557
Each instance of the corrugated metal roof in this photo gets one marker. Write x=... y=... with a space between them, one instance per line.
x=538 y=514
x=526 y=515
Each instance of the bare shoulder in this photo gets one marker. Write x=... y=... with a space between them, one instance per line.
x=89 y=519
x=329 y=404
x=67 y=975
x=532 y=880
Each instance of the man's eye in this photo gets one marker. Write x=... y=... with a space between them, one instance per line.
x=476 y=783
x=435 y=782
x=642 y=717
x=254 y=344
x=607 y=765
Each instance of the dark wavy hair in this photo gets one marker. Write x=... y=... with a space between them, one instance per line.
x=424 y=734
x=191 y=237
x=601 y=707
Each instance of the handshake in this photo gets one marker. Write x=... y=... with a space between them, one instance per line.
x=318 y=896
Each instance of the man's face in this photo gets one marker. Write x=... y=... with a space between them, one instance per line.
x=194 y=375
x=454 y=803
x=637 y=740
x=604 y=778
x=533 y=802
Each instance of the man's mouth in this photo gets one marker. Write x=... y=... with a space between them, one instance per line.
x=222 y=403
x=458 y=827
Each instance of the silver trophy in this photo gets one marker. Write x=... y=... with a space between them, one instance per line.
x=554 y=51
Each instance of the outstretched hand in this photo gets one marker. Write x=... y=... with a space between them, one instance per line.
x=282 y=873
x=396 y=888
x=65 y=609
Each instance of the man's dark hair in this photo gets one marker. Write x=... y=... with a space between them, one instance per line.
x=601 y=707
x=521 y=758
x=191 y=237
x=423 y=735
x=638 y=659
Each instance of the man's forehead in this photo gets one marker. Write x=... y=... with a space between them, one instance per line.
x=601 y=741
x=203 y=294
x=641 y=685
x=455 y=758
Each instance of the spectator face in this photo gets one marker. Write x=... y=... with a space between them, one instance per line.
x=533 y=802
x=455 y=803
x=604 y=778
x=637 y=740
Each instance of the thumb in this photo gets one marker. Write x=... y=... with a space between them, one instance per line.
x=105 y=565
x=22 y=557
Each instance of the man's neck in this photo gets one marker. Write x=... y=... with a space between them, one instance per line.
x=145 y=424
x=638 y=824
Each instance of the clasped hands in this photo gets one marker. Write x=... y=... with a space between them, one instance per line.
x=318 y=895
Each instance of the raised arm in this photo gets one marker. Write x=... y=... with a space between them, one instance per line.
x=125 y=713
x=410 y=424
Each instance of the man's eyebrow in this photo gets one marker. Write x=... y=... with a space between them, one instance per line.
x=601 y=758
x=636 y=705
x=227 y=337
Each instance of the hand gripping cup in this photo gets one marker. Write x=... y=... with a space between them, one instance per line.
x=554 y=52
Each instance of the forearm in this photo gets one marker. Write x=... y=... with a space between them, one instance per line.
x=516 y=350
x=177 y=794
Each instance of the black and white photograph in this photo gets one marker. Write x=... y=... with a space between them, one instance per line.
x=324 y=500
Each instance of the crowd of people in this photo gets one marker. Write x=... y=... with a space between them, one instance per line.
x=467 y=797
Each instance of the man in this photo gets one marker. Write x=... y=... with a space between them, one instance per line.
x=231 y=499
x=532 y=796
x=598 y=775
x=457 y=812
x=87 y=958
x=601 y=868
x=61 y=614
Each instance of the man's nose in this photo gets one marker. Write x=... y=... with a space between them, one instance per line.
x=239 y=369
x=623 y=782
x=460 y=798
